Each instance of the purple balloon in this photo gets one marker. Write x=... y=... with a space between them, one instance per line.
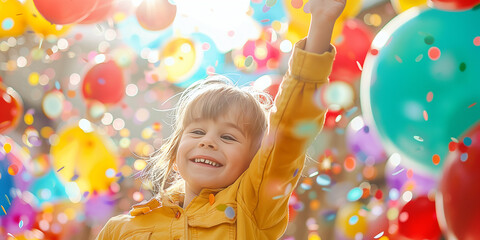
x=98 y=209
x=364 y=142
x=397 y=178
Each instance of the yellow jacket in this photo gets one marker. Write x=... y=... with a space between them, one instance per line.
x=256 y=205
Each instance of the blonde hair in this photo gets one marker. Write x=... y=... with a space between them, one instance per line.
x=210 y=98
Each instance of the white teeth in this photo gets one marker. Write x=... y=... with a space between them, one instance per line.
x=206 y=161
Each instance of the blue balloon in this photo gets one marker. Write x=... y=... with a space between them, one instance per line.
x=210 y=58
x=266 y=15
x=138 y=38
x=420 y=83
x=48 y=188
x=6 y=184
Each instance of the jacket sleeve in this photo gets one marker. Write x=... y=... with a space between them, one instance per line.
x=294 y=122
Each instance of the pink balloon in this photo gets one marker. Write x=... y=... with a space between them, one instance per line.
x=65 y=12
x=103 y=10
x=155 y=15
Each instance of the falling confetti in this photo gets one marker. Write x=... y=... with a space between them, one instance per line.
x=436 y=159
x=211 y=199
x=378 y=235
x=434 y=53
x=230 y=212
x=425 y=115
x=471 y=105
x=7 y=147
x=418 y=138
x=467 y=141
x=397 y=172
x=429 y=96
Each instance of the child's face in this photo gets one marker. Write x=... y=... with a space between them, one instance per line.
x=220 y=141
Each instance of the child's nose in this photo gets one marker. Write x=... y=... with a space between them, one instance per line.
x=207 y=144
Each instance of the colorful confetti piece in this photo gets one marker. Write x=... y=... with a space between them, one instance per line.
x=211 y=199
x=436 y=159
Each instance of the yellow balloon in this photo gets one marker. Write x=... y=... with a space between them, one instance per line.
x=402 y=5
x=300 y=21
x=350 y=220
x=86 y=158
x=40 y=25
x=12 y=18
x=178 y=58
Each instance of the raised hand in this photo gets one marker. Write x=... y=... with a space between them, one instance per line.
x=324 y=14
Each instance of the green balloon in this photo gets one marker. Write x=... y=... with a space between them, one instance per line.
x=421 y=82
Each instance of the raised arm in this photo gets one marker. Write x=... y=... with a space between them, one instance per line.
x=324 y=15
x=265 y=187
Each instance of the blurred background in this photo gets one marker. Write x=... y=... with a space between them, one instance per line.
x=87 y=89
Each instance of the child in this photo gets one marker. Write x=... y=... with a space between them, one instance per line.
x=228 y=169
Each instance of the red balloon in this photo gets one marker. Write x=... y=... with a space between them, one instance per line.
x=11 y=108
x=103 y=10
x=104 y=83
x=352 y=47
x=459 y=190
x=65 y=12
x=454 y=5
x=155 y=15
x=418 y=219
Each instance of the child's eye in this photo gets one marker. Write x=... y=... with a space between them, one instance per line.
x=228 y=137
x=198 y=132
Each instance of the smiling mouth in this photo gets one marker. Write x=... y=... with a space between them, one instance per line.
x=206 y=162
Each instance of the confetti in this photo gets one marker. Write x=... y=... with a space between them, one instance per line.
x=419 y=58
x=434 y=53
x=295 y=173
x=7 y=147
x=425 y=115
x=230 y=212
x=454 y=139
x=409 y=173
x=323 y=180
x=429 y=96
x=297 y=4
x=9 y=234
x=211 y=199
x=471 y=105
x=8 y=200
x=20 y=224
x=429 y=40
x=313 y=174
x=349 y=164
x=221 y=207
x=462 y=67
x=398 y=59
x=436 y=159
x=464 y=157
x=397 y=172
x=354 y=194
x=353 y=220
x=476 y=41
x=378 y=194
x=378 y=235
x=418 y=138
x=60 y=169
x=467 y=141
x=277 y=197
x=359 y=66
x=4 y=210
